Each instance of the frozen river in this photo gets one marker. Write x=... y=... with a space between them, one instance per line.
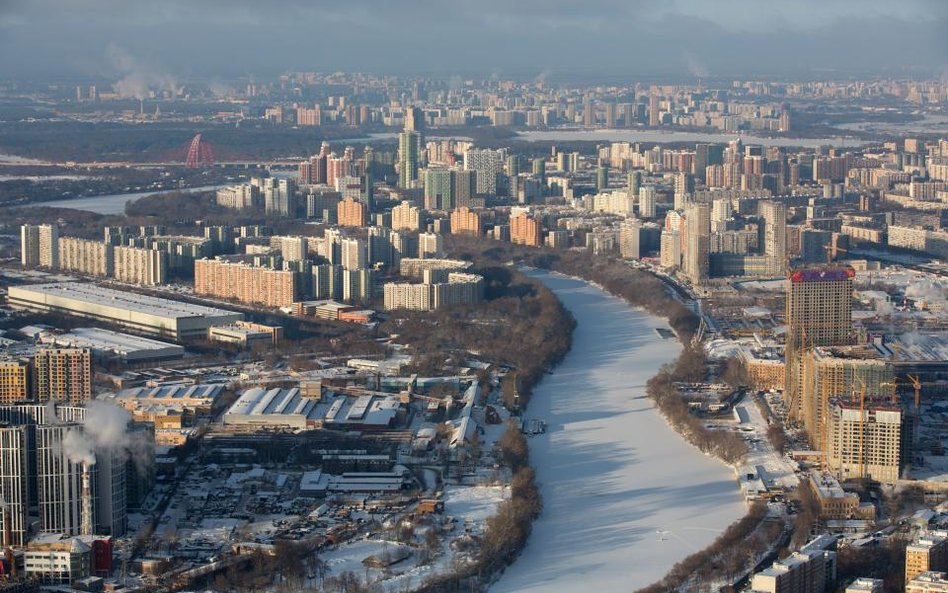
x=625 y=497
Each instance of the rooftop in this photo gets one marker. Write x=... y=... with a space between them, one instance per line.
x=103 y=339
x=139 y=303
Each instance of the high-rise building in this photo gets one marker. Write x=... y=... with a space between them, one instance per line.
x=466 y=221
x=92 y=258
x=928 y=552
x=695 y=263
x=648 y=196
x=246 y=283
x=40 y=246
x=670 y=249
x=439 y=189
x=430 y=245
x=358 y=285
x=818 y=313
x=63 y=375
x=354 y=254
x=774 y=233
x=602 y=178
x=380 y=246
x=654 y=113
x=14 y=485
x=610 y=109
x=409 y=150
x=350 y=212
x=839 y=371
x=406 y=216
x=135 y=265
x=526 y=230
x=15 y=381
x=488 y=166
x=865 y=441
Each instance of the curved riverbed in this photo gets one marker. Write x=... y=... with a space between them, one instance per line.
x=625 y=497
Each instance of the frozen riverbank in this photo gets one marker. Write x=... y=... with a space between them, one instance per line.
x=625 y=497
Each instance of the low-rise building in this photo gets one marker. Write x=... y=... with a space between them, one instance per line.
x=246 y=334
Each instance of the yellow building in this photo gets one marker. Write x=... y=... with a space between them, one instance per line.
x=928 y=552
x=14 y=381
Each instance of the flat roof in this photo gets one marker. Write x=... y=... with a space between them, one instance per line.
x=103 y=339
x=99 y=295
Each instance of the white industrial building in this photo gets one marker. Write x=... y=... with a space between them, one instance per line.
x=107 y=343
x=140 y=313
x=289 y=409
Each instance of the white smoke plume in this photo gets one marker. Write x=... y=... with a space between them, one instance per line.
x=106 y=429
x=927 y=290
x=138 y=78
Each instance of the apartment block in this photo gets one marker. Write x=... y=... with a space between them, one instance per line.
x=928 y=552
x=135 y=265
x=526 y=230
x=63 y=375
x=245 y=283
x=864 y=441
x=465 y=221
x=92 y=258
x=14 y=381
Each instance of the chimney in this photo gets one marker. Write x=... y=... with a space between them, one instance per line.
x=7 y=528
x=86 y=509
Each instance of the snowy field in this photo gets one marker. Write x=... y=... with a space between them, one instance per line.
x=625 y=498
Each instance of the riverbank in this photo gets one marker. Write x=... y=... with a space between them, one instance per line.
x=625 y=497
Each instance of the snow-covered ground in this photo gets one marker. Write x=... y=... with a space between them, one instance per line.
x=625 y=497
x=774 y=468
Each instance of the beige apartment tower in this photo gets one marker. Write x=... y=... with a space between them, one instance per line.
x=63 y=375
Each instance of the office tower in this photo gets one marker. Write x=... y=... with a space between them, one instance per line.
x=488 y=166
x=430 y=246
x=351 y=213
x=526 y=230
x=406 y=216
x=654 y=115
x=39 y=246
x=63 y=375
x=697 y=242
x=927 y=552
x=75 y=478
x=15 y=381
x=602 y=178
x=15 y=490
x=135 y=265
x=818 y=313
x=865 y=441
x=634 y=182
x=774 y=234
x=354 y=254
x=466 y=221
x=648 y=196
x=439 y=189
x=409 y=149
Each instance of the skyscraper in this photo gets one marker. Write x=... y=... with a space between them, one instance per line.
x=818 y=313
x=488 y=166
x=409 y=149
x=439 y=189
x=654 y=115
x=774 y=233
x=39 y=246
x=648 y=196
x=697 y=242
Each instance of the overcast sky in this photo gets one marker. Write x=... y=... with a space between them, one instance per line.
x=615 y=38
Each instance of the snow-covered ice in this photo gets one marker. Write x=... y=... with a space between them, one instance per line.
x=625 y=497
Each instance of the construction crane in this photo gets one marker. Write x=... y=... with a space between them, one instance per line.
x=831 y=251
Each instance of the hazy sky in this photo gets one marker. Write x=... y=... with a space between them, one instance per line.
x=619 y=38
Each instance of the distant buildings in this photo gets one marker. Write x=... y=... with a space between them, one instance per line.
x=245 y=283
x=526 y=230
x=39 y=246
x=439 y=289
x=465 y=221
